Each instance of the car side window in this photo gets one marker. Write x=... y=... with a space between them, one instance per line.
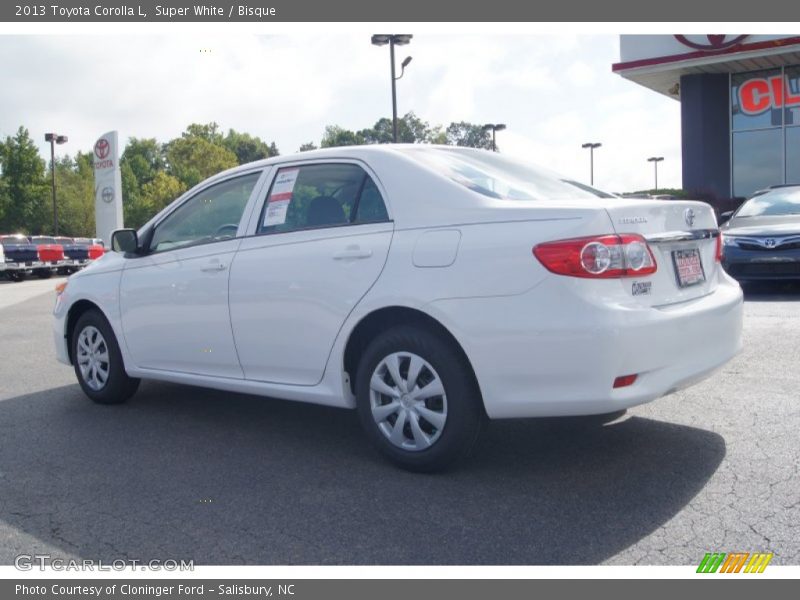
x=320 y=195
x=371 y=208
x=210 y=216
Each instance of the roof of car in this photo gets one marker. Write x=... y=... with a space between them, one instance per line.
x=362 y=151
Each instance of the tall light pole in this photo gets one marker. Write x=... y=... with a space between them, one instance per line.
x=394 y=39
x=494 y=127
x=655 y=160
x=591 y=146
x=54 y=139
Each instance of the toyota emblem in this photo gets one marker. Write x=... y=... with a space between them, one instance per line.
x=710 y=43
x=102 y=148
x=107 y=194
x=688 y=216
x=769 y=243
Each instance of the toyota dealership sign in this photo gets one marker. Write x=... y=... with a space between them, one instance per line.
x=107 y=186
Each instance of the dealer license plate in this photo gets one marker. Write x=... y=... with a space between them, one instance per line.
x=688 y=267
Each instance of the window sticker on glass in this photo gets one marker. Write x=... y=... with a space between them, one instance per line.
x=280 y=197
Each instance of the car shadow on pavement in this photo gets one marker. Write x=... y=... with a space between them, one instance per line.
x=772 y=291
x=219 y=478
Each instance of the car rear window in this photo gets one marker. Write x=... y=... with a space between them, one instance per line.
x=497 y=176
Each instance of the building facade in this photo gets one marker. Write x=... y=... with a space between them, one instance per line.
x=740 y=105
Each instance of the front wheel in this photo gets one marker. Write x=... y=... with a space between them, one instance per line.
x=98 y=361
x=417 y=399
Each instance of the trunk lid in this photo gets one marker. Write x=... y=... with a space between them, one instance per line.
x=678 y=232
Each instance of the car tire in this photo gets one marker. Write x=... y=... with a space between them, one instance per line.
x=15 y=276
x=46 y=274
x=98 y=362
x=418 y=430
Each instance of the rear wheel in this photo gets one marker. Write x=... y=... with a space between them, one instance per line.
x=98 y=361
x=418 y=400
x=15 y=275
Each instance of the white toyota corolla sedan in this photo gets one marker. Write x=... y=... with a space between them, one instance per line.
x=427 y=287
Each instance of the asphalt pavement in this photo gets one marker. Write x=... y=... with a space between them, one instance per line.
x=220 y=478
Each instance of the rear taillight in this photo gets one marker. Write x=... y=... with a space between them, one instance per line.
x=718 y=248
x=604 y=256
x=624 y=381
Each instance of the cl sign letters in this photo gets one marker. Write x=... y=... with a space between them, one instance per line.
x=760 y=94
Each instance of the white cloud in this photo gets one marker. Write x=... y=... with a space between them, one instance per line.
x=553 y=91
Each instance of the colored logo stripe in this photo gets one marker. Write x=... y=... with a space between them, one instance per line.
x=711 y=562
x=734 y=562
x=758 y=563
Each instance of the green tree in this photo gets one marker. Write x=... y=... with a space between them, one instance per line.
x=4 y=201
x=208 y=131
x=141 y=161
x=27 y=192
x=145 y=157
x=307 y=146
x=339 y=136
x=75 y=197
x=248 y=148
x=410 y=130
x=192 y=159
x=159 y=192
x=463 y=133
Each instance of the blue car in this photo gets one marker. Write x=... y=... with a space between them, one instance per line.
x=761 y=240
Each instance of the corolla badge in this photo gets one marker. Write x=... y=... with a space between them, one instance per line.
x=688 y=216
x=632 y=220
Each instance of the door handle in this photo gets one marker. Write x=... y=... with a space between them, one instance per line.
x=352 y=253
x=214 y=267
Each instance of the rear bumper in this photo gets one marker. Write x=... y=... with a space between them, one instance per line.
x=53 y=264
x=761 y=265
x=76 y=262
x=551 y=353
x=20 y=266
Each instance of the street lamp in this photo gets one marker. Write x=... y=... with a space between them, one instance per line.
x=591 y=146
x=655 y=160
x=494 y=127
x=54 y=139
x=393 y=39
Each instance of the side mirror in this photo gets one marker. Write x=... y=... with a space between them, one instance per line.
x=725 y=217
x=124 y=240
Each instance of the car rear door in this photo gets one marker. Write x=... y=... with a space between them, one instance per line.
x=174 y=299
x=320 y=243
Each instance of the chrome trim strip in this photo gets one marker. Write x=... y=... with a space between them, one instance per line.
x=682 y=236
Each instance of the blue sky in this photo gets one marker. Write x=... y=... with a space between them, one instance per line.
x=554 y=92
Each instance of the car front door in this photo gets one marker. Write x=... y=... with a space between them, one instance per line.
x=174 y=298
x=321 y=241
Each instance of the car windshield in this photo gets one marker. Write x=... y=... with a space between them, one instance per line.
x=40 y=239
x=497 y=176
x=82 y=241
x=14 y=239
x=772 y=203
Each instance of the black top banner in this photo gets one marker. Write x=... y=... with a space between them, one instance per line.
x=405 y=11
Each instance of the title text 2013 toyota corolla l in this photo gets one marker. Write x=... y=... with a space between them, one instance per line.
x=427 y=287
